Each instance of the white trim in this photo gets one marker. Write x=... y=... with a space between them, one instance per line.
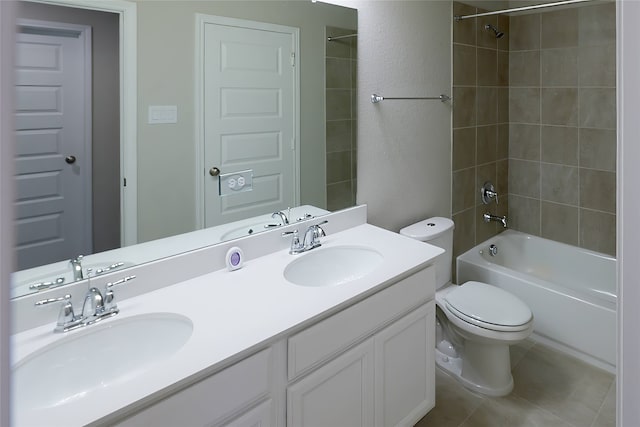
x=128 y=107
x=7 y=188
x=628 y=228
x=200 y=169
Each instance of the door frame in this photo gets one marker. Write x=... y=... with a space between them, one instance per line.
x=84 y=33
x=200 y=169
x=127 y=12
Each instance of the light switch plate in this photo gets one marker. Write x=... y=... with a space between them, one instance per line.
x=235 y=182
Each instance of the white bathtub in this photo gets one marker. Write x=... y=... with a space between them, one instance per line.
x=571 y=291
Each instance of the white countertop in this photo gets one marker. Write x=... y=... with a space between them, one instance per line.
x=232 y=313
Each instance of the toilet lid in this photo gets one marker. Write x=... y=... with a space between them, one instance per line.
x=483 y=304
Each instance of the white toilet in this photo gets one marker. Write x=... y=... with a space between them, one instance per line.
x=475 y=322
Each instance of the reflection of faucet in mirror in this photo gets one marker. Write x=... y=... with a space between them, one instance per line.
x=76 y=268
x=283 y=217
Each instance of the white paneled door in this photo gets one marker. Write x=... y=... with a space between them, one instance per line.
x=249 y=116
x=53 y=145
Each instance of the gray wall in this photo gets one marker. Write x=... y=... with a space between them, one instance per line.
x=555 y=156
x=404 y=147
x=166 y=153
x=562 y=145
x=480 y=125
x=340 y=74
x=105 y=113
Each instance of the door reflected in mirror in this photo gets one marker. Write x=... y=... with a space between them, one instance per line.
x=169 y=173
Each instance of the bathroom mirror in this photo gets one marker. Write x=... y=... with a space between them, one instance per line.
x=167 y=191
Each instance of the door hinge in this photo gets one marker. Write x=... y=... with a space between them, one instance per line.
x=293 y=59
x=124 y=182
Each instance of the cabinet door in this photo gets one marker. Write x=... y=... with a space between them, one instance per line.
x=260 y=416
x=405 y=369
x=337 y=394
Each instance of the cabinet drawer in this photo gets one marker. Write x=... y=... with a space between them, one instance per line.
x=213 y=399
x=325 y=339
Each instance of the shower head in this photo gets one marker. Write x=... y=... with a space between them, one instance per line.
x=498 y=33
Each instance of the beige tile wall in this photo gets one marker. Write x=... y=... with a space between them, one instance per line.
x=341 y=119
x=534 y=112
x=480 y=124
x=562 y=128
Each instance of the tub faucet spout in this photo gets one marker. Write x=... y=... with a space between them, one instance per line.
x=502 y=219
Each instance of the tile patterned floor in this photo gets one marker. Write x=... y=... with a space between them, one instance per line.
x=551 y=390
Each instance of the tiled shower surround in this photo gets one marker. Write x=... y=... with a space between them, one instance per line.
x=341 y=119
x=535 y=113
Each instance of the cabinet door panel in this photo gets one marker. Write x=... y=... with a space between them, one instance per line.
x=260 y=416
x=337 y=394
x=405 y=368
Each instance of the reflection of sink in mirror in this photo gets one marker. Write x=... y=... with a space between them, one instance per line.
x=332 y=266
x=97 y=357
x=155 y=249
x=249 y=230
x=62 y=275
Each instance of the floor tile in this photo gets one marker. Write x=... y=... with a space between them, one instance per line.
x=551 y=389
x=512 y=411
x=454 y=403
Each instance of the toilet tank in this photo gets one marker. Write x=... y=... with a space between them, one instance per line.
x=437 y=231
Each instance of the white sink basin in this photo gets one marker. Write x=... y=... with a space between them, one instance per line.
x=332 y=266
x=97 y=357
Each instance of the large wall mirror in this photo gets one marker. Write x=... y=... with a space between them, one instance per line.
x=170 y=165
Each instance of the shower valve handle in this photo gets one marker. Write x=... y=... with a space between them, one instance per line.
x=488 y=192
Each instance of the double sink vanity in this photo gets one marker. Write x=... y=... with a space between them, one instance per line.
x=342 y=334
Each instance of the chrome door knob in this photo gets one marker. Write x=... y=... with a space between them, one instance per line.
x=214 y=171
x=70 y=159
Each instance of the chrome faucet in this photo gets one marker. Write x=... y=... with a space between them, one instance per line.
x=502 y=219
x=76 y=268
x=95 y=307
x=310 y=240
x=312 y=236
x=284 y=220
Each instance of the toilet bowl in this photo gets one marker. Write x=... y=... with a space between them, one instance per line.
x=475 y=322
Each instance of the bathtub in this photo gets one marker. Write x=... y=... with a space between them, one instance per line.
x=571 y=291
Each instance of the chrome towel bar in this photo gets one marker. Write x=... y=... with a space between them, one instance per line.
x=377 y=98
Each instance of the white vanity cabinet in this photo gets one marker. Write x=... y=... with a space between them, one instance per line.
x=376 y=361
x=370 y=364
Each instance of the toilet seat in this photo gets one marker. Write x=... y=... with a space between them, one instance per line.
x=488 y=307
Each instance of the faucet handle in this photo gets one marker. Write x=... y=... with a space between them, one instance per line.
x=488 y=192
x=66 y=318
x=120 y=282
x=109 y=296
x=48 y=301
x=296 y=245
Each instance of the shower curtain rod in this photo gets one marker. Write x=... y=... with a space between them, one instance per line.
x=330 y=39
x=521 y=9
